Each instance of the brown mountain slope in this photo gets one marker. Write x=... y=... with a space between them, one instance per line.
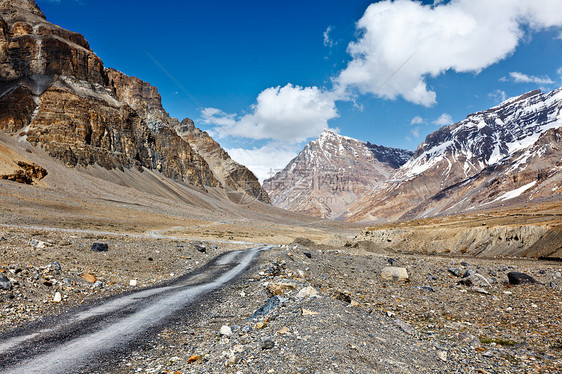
x=56 y=93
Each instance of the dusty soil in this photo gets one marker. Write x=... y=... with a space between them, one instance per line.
x=361 y=323
x=358 y=322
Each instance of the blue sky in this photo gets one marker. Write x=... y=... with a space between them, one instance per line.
x=265 y=77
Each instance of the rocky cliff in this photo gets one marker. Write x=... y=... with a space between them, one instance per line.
x=331 y=173
x=56 y=93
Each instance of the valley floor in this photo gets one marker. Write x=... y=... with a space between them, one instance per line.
x=358 y=323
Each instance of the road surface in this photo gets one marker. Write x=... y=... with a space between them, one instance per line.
x=85 y=338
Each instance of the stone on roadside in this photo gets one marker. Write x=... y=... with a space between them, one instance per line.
x=467 y=338
x=307 y=292
x=99 y=247
x=479 y=290
x=515 y=277
x=35 y=243
x=57 y=298
x=225 y=331
x=5 y=283
x=394 y=273
x=267 y=344
x=270 y=305
x=475 y=279
x=306 y=312
x=405 y=327
x=280 y=288
x=89 y=278
x=455 y=271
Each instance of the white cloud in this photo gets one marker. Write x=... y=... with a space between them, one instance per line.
x=214 y=116
x=518 y=77
x=417 y=120
x=328 y=42
x=264 y=162
x=403 y=42
x=290 y=114
x=415 y=132
x=498 y=96
x=444 y=119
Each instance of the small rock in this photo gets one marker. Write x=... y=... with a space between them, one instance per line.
x=283 y=330
x=394 y=273
x=89 y=278
x=270 y=305
x=431 y=277
x=342 y=297
x=442 y=355
x=99 y=247
x=468 y=273
x=98 y=284
x=5 y=283
x=192 y=358
x=225 y=331
x=391 y=261
x=260 y=325
x=492 y=273
x=308 y=254
x=133 y=282
x=456 y=272
x=390 y=314
x=467 y=338
x=57 y=298
x=267 y=344
x=354 y=303
x=475 y=280
x=479 y=290
x=405 y=327
x=200 y=247
x=306 y=312
x=515 y=277
x=307 y=292
x=552 y=285
x=464 y=263
x=56 y=266
x=39 y=243
x=427 y=288
x=67 y=281
x=280 y=288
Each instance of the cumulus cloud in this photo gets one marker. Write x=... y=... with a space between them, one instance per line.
x=444 y=119
x=290 y=114
x=265 y=161
x=417 y=120
x=403 y=43
x=518 y=77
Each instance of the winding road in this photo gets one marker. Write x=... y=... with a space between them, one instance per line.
x=86 y=337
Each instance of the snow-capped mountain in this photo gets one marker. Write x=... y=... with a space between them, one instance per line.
x=331 y=173
x=507 y=154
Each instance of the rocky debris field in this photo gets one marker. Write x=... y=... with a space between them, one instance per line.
x=302 y=308
x=306 y=310
x=46 y=272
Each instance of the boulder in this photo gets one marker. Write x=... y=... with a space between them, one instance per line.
x=395 y=273
x=515 y=277
x=5 y=283
x=280 y=288
x=99 y=247
x=307 y=292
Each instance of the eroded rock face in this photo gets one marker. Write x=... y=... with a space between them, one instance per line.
x=228 y=172
x=27 y=174
x=57 y=94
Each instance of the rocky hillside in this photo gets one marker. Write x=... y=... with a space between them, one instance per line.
x=331 y=173
x=508 y=154
x=56 y=93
